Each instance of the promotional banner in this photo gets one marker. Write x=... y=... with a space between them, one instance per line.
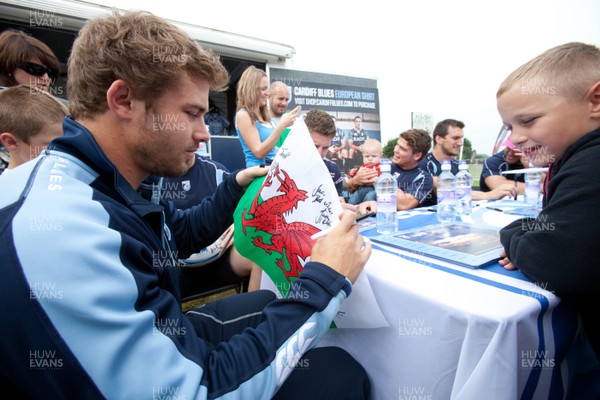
x=352 y=101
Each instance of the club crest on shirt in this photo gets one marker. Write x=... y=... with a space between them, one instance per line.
x=186 y=185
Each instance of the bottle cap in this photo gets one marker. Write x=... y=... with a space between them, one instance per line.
x=446 y=165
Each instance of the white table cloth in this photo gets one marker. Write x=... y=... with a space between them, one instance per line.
x=459 y=333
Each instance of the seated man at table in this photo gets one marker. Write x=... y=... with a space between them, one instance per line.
x=508 y=159
x=448 y=138
x=414 y=184
x=559 y=249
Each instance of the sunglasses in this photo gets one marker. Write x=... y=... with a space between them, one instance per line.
x=37 y=69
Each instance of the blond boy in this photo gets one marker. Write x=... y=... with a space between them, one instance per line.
x=552 y=105
x=29 y=119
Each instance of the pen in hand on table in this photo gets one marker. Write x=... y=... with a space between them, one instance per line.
x=326 y=231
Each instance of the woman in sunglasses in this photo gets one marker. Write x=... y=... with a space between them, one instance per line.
x=24 y=60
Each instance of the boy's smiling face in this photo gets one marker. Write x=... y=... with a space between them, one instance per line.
x=545 y=125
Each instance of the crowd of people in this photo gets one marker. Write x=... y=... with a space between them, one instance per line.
x=113 y=179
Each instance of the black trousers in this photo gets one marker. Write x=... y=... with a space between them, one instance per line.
x=323 y=373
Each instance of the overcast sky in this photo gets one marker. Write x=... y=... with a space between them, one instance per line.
x=441 y=57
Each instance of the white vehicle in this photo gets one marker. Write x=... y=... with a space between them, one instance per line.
x=56 y=23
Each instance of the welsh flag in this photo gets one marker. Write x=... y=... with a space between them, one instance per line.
x=279 y=213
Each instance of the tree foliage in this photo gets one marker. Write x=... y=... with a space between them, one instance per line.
x=388 y=149
x=467 y=150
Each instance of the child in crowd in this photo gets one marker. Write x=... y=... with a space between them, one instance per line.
x=552 y=106
x=372 y=152
x=29 y=119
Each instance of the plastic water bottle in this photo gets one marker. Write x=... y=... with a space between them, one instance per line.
x=446 y=209
x=345 y=193
x=464 y=181
x=532 y=187
x=386 y=186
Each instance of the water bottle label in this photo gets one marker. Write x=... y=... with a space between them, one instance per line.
x=384 y=197
x=445 y=195
x=532 y=185
x=386 y=202
x=463 y=193
x=532 y=191
x=392 y=203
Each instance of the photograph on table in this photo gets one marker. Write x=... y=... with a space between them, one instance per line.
x=465 y=244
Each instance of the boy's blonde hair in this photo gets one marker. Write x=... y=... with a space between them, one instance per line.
x=568 y=70
x=25 y=111
x=372 y=145
x=144 y=50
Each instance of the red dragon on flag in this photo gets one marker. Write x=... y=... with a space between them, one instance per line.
x=291 y=240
